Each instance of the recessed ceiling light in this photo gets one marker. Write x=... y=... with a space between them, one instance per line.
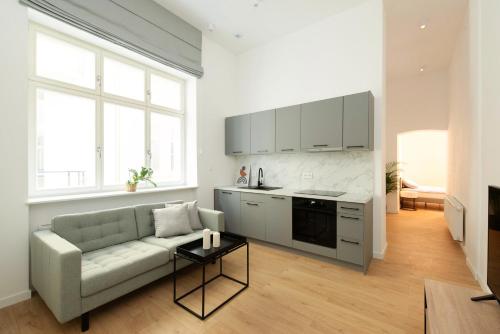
x=238 y=36
x=423 y=26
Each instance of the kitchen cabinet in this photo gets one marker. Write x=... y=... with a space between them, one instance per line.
x=321 y=125
x=253 y=219
x=279 y=220
x=229 y=203
x=355 y=233
x=288 y=129
x=263 y=132
x=237 y=135
x=358 y=122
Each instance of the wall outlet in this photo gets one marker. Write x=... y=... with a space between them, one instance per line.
x=307 y=175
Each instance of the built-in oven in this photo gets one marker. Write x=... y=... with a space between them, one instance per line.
x=315 y=221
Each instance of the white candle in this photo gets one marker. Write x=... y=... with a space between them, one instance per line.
x=216 y=237
x=206 y=238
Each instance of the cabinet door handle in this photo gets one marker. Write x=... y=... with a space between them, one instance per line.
x=320 y=145
x=227 y=192
x=262 y=151
x=237 y=152
x=346 y=208
x=252 y=204
x=352 y=218
x=355 y=146
x=350 y=242
x=287 y=149
x=276 y=197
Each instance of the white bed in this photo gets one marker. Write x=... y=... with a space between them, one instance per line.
x=427 y=194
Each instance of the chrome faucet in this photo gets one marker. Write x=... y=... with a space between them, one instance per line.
x=260 y=178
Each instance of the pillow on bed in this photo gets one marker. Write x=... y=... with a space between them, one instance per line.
x=409 y=184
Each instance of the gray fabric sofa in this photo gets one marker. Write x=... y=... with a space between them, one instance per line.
x=86 y=260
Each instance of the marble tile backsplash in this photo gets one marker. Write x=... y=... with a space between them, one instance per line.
x=344 y=171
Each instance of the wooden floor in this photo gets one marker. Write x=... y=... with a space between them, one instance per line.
x=289 y=292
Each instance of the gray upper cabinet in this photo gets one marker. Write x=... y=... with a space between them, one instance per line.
x=238 y=135
x=288 y=129
x=279 y=220
x=263 y=132
x=358 y=121
x=321 y=125
x=229 y=203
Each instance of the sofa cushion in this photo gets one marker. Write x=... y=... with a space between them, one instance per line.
x=144 y=217
x=171 y=243
x=94 y=230
x=104 y=268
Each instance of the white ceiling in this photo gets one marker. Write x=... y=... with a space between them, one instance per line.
x=409 y=48
x=257 y=25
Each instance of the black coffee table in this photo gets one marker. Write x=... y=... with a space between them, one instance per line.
x=194 y=252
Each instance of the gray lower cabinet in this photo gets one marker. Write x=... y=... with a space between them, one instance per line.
x=358 y=122
x=229 y=203
x=321 y=125
x=355 y=233
x=253 y=219
x=237 y=135
x=288 y=129
x=279 y=220
x=263 y=132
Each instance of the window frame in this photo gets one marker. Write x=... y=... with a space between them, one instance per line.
x=35 y=82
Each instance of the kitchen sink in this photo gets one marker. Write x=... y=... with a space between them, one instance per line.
x=264 y=188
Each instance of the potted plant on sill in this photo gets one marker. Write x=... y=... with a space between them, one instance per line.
x=135 y=177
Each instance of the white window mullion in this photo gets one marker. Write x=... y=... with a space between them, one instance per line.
x=147 y=141
x=100 y=144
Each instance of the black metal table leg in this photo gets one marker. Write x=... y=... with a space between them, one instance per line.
x=175 y=275
x=203 y=294
x=248 y=264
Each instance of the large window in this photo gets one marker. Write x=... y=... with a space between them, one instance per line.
x=95 y=115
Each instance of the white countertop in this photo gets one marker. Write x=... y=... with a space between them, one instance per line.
x=348 y=197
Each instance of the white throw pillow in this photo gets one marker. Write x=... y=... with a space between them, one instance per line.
x=172 y=221
x=194 y=218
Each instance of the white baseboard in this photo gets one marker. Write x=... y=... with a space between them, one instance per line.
x=380 y=255
x=15 y=298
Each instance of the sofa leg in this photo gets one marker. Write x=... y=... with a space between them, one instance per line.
x=85 y=318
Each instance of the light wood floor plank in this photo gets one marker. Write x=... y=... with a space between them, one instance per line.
x=289 y=292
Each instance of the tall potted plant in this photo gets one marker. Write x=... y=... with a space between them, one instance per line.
x=391 y=176
x=143 y=175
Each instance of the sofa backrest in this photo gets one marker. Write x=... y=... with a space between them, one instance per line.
x=144 y=217
x=94 y=230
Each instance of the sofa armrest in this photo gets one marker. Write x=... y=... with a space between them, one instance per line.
x=56 y=266
x=212 y=219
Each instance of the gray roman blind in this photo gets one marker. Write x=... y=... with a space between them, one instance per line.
x=142 y=26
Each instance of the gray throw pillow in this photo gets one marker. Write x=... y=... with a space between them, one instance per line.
x=172 y=221
x=194 y=218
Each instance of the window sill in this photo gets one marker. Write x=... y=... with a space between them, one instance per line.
x=67 y=198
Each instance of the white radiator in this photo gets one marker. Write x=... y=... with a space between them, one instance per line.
x=454 y=215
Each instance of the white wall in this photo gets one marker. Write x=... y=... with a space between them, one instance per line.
x=474 y=125
x=215 y=91
x=13 y=150
x=423 y=156
x=340 y=55
x=463 y=140
x=489 y=102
